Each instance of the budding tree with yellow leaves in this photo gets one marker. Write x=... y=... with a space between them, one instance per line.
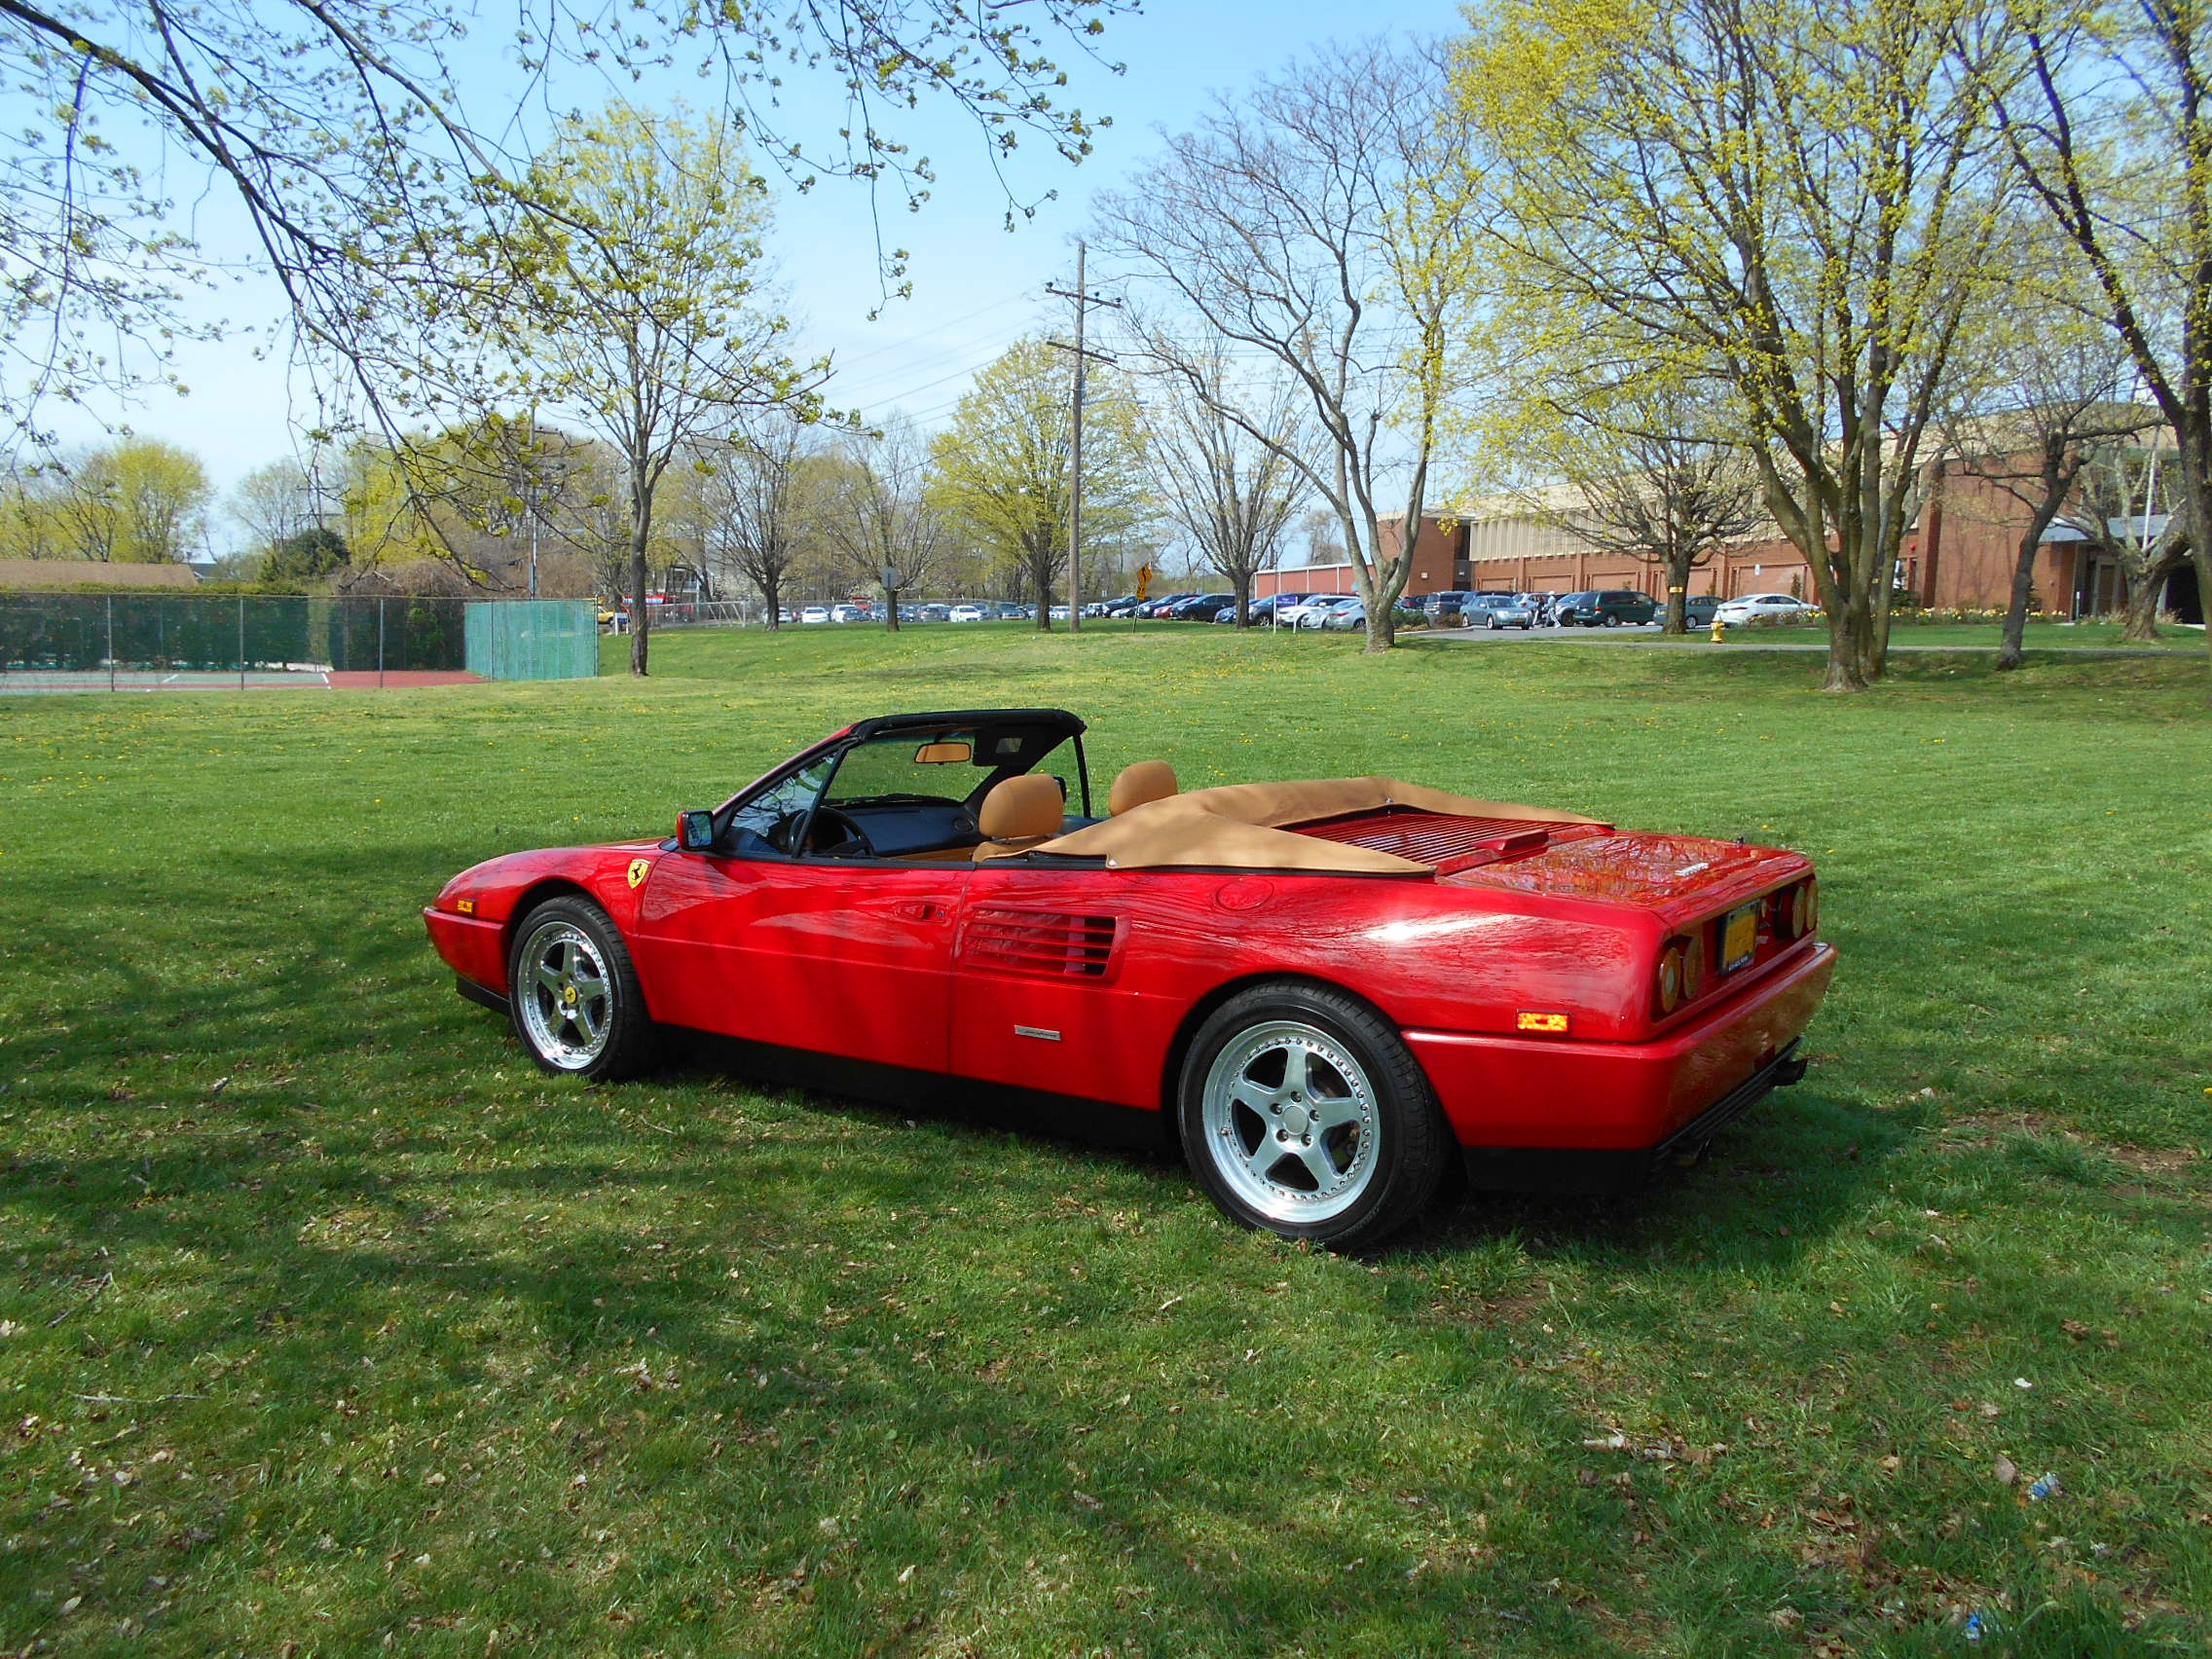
x=2109 y=121
x=1806 y=194
x=641 y=305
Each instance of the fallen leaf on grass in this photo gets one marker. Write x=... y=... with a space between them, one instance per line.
x=2008 y=1472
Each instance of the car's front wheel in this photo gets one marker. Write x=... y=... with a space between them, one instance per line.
x=1304 y=1113
x=572 y=993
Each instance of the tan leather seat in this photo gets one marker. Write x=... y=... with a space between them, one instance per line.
x=1017 y=814
x=1140 y=782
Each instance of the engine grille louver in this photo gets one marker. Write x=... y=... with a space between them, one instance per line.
x=1041 y=942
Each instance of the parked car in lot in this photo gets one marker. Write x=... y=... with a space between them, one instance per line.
x=1293 y=615
x=967 y=613
x=1203 y=608
x=1764 y=607
x=928 y=908
x=1006 y=610
x=1160 y=606
x=1494 y=610
x=1697 y=610
x=1443 y=606
x=1262 y=610
x=1317 y=613
x=814 y=614
x=1606 y=607
x=1343 y=619
x=937 y=614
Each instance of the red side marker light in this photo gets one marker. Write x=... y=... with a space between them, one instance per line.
x=1531 y=1019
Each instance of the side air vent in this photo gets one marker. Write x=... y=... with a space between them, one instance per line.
x=1041 y=942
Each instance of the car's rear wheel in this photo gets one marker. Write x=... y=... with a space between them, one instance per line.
x=1304 y=1113
x=572 y=993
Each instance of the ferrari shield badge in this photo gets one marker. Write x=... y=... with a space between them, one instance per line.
x=637 y=869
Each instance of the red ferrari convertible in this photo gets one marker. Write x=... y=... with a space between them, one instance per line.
x=1331 y=990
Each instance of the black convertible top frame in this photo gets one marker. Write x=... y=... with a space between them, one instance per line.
x=1056 y=723
x=882 y=724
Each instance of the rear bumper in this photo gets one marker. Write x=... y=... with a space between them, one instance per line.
x=1506 y=1095
x=475 y=949
x=1571 y=1169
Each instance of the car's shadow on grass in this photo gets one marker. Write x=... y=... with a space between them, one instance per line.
x=1783 y=1178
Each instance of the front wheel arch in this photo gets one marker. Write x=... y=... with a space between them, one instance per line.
x=554 y=887
x=623 y=1039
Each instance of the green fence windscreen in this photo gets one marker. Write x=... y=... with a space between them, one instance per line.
x=534 y=639
x=140 y=633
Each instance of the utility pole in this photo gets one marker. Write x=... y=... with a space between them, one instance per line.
x=1084 y=301
x=529 y=499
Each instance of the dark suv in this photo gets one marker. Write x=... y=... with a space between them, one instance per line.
x=1608 y=608
x=1442 y=606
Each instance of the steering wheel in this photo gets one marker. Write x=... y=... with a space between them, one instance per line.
x=832 y=833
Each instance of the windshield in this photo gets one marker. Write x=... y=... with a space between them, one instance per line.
x=770 y=821
x=931 y=766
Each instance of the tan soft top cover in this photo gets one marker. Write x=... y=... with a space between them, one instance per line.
x=1239 y=827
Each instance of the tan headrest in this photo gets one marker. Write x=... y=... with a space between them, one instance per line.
x=1140 y=782
x=1023 y=808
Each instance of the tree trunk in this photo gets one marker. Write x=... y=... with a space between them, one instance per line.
x=1241 y=582
x=1676 y=613
x=891 y=611
x=1884 y=594
x=2196 y=514
x=2016 y=608
x=2144 y=584
x=640 y=530
x=771 y=595
x=1851 y=644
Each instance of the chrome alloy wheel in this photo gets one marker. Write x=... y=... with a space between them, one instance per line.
x=564 y=995
x=1289 y=1118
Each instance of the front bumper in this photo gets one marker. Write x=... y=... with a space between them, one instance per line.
x=1518 y=1104
x=474 y=949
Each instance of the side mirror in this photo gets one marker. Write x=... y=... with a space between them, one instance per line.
x=696 y=830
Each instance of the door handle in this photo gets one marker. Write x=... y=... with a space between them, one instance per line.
x=920 y=911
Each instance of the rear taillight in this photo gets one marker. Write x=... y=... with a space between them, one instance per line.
x=1796 y=912
x=1681 y=972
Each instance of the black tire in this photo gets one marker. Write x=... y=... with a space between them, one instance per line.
x=568 y=972
x=1385 y=1139
x=1612 y=621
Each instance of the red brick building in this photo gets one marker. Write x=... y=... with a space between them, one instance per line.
x=1957 y=555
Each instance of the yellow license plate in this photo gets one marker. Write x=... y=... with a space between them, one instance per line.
x=1739 y=936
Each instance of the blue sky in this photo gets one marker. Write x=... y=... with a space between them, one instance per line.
x=976 y=286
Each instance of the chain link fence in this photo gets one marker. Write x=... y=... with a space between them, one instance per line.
x=70 y=641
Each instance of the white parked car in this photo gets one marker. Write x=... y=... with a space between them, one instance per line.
x=1292 y=615
x=1317 y=614
x=1764 y=607
x=814 y=613
x=846 y=613
x=967 y=613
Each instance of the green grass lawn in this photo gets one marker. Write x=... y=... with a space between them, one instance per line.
x=1989 y=635
x=328 y=1326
